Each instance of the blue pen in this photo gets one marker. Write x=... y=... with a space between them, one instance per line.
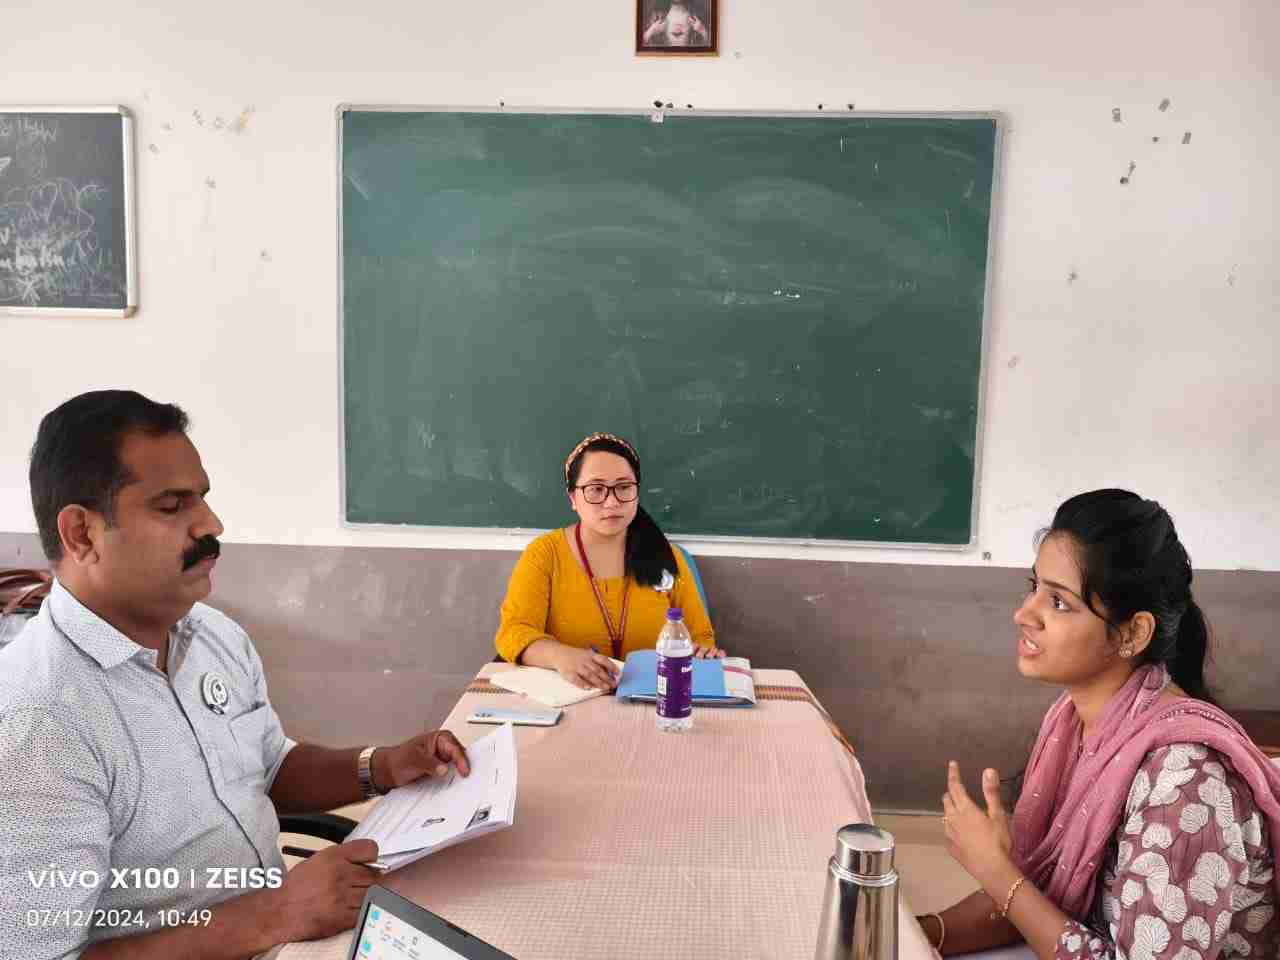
x=595 y=651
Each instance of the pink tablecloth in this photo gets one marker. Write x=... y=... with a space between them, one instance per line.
x=629 y=843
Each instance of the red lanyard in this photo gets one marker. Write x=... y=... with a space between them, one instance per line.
x=615 y=637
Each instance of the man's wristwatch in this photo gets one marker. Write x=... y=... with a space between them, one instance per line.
x=364 y=773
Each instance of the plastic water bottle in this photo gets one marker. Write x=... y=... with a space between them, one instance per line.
x=675 y=675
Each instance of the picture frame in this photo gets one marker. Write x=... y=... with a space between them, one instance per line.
x=677 y=28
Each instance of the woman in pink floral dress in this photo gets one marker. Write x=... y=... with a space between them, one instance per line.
x=1147 y=824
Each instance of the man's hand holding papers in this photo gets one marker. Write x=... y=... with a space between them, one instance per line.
x=426 y=755
x=436 y=812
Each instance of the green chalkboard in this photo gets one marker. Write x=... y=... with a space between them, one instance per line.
x=784 y=313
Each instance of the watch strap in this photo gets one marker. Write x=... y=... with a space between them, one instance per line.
x=364 y=773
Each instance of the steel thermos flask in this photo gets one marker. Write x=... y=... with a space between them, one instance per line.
x=860 y=908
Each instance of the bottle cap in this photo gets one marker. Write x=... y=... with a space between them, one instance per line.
x=673 y=613
x=864 y=850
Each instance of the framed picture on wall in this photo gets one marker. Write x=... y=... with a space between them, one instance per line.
x=677 y=27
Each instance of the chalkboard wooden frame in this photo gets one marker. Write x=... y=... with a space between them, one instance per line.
x=662 y=115
x=128 y=192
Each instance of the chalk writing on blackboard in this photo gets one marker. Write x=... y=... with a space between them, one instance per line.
x=63 y=229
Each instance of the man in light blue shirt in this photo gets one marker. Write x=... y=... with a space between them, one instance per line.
x=142 y=764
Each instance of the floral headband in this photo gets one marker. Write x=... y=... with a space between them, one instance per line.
x=590 y=439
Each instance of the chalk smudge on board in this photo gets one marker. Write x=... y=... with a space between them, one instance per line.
x=355 y=182
x=951 y=152
x=1164 y=104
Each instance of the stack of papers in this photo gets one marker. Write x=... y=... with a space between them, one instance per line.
x=437 y=812
x=545 y=686
x=716 y=683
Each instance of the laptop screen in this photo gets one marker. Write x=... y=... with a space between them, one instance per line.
x=385 y=936
x=393 y=928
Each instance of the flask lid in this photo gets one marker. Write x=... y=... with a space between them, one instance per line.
x=673 y=613
x=865 y=850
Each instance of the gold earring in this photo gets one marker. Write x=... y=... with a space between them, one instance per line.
x=1126 y=650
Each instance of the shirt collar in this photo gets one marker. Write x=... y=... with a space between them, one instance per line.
x=99 y=639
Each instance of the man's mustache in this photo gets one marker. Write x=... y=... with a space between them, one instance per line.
x=204 y=548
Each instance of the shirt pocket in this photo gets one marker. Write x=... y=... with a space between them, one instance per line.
x=248 y=733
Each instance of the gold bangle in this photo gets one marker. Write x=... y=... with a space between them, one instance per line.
x=1004 y=911
x=942 y=927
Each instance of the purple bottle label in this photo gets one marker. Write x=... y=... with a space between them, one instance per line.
x=675 y=687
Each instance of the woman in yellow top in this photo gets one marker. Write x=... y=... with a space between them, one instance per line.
x=601 y=587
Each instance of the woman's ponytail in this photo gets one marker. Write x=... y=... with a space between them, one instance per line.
x=1190 y=651
x=648 y=552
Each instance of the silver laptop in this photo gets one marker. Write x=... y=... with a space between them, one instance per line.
x=392 y=928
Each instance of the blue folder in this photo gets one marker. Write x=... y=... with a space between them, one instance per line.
x=639 y=681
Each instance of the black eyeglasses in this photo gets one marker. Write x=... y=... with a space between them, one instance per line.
x=623 y=492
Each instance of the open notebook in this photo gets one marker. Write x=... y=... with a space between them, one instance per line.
x=545 y=686
x=716 y=683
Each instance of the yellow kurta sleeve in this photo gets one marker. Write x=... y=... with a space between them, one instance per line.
x=528 y=600
x=686 y=597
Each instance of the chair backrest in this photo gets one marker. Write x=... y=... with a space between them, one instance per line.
x=697 y=577
x=23 y=589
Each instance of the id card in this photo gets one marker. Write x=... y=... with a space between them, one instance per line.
x=521 y=718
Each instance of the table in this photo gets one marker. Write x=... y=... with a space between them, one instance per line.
x=631 y=843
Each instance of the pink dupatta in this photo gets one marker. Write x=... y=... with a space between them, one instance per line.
x=1073 y=798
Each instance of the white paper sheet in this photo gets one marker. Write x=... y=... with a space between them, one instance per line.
x=413 y=821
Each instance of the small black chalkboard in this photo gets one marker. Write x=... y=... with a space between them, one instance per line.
x=66 y=210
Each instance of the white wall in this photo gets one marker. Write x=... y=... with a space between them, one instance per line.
x=1155 y=368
